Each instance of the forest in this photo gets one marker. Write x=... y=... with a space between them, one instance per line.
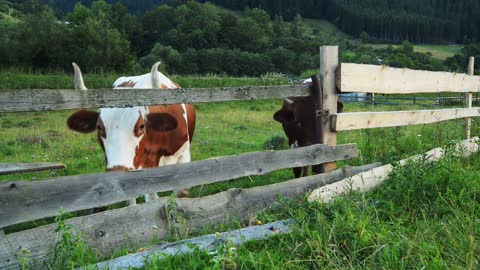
x=425 y=21
x=104 y=36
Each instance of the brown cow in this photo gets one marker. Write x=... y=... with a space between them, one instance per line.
x=142 y=136
x=297 y=116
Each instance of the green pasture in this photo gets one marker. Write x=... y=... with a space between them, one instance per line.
x=440 y=52
x=425 y=216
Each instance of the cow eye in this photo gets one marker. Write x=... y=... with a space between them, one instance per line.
x=142 y=127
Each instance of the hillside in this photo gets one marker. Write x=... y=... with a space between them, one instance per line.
x=420 y=21
x=423 y=21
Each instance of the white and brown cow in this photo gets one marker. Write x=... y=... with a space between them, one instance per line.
x=143 y=136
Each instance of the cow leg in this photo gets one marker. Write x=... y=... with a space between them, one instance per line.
x=185 y=157
x=297 y=171
x=316 y=169
x=304 y=171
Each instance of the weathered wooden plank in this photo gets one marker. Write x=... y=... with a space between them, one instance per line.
x=137 y=225
x=362 y=120
x=328 y=66
x=43 y=100
x=206 y=242
x=11 y=168
x=468 y=99
x=388 y=80
x=22 y=201
x=369 y=180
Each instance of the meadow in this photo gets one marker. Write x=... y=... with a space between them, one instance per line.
x=425 y=217
x=440 y=52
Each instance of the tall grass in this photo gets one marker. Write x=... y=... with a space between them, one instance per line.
x=60 y=80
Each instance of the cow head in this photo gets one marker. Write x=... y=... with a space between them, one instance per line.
x=125 y=132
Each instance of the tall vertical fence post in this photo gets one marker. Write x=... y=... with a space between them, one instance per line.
x=320 y=115
x=328 y=68
x=468 y=99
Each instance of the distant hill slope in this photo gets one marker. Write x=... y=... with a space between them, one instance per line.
x=422 y=21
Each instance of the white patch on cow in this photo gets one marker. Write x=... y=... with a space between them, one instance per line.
x=181 y=156
x=121 y=142
x=144 y=81
x=184 y=107
x=294 y=145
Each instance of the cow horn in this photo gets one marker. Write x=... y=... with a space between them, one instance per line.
x=289 y=101
x=78 y=78
x=155 y=79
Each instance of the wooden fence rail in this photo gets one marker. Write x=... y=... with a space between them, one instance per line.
x=23 y=201
x=11 y=168
x=28 y=100
x=388 y=80
x=137 y=225
x=364 y=120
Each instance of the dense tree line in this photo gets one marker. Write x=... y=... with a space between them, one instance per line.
x=459 y=62
x=428 y=21
x=436 y=21
x=188 y=38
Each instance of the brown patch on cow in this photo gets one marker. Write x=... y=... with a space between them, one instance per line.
x=165 y=143
x=127 y=84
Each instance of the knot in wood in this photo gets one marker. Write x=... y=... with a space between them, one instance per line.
x=100 y=233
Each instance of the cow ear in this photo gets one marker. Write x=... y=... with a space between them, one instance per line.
x=83 y=121
x=161 y=122
x=283 y=116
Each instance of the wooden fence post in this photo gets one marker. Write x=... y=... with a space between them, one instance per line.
x=468 y=99
x=328 y=68
x=320 y=115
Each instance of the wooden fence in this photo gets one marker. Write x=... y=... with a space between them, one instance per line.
x=24 y=201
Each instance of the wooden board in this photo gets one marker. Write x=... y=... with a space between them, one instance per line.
x=469 y=99
x=46 y=100
x=11 y=168
x=137 y=225
x=328 y=66
x=22 y=201
x=206 y=242
x=369 y=180
x=388 y=80
x=363 y=120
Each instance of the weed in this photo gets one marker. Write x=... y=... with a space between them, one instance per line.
x=69 y=250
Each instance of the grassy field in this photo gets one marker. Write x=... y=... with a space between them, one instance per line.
x=438 y=51
x=425 y=216
x=323 y=29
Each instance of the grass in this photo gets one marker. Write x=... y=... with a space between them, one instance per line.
x=440 y=52
x=426 y=215
x=8 y=19
x=323 y=29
